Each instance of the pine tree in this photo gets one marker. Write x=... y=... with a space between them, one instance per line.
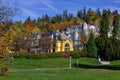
x=104 y=25
x=98 y=13
x=113 y=48
x=109 y=50
x=91 y=47
x=84 y=14
x=79 y=14
x=102 y=39
x=116 y=26
x=65 y=15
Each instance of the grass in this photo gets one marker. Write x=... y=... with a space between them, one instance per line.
x=88 y=69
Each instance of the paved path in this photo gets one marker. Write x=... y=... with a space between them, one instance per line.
x=39 y=69
x=105 y=62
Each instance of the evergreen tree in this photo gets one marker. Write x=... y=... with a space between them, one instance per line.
x=109 y=12
x=56 y=19
x=109 y=50
x=102 y=39
x=98 y=13
x=28 y=19
x=116 y=26
x=70 y=16
x=84 y=14
x=113 y=45
x=65 y=15
x=91 y=47
x=46 y=18
x=104 y=25
x=79 y=14
x=113 y=49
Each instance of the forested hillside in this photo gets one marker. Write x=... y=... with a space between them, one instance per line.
x=15 y=33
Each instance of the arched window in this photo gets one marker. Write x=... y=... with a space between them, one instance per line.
x=67 y=47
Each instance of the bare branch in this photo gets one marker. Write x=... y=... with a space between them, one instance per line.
x=7 y=11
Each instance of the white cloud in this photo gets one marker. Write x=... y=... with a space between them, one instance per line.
x=117 y=1
x=49 y=5
x=29 y=2
x=29 y=13
x=43 y=4
x=42 y=8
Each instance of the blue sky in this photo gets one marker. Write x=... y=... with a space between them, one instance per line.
x=36 y=8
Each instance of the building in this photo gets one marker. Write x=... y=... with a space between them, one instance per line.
x=67 y=39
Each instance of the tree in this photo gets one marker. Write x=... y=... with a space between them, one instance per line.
x=7 y=26
x=113 y=49
x=98 y=13
x=116 y=26
x=84 y=14
x=30 y=26
x=102 y=39
x=45 y=18
x=113 y=44
x=92 y=17
x=65 y=15
x=56 y=19
x=79 y=14
x=84 y=40
x=9 y=37
x=6 y=11
x=91 y=47
x=20 y=41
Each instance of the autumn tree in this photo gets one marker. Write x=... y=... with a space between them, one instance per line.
x=20 y=41
x=6 y=13
x=30 y=26
x=9 y=37
x=84 y=40
x=92 y=18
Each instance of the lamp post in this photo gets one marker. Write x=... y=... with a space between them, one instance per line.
x=70 y=63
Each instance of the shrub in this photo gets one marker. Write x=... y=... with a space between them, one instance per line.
x=4 y=70
x=42 y=55
x=19 y=54
x=54 y=55
x=65 y=54
x=83 y=53
x=75 y=54
x=4 y=67
x=113 y=49
x=36 y=56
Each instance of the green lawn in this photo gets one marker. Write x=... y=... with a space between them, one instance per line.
x=49 y=69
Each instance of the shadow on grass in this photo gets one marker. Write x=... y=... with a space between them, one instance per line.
x=87 y=66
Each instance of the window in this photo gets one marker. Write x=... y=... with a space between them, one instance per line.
x=67 y=47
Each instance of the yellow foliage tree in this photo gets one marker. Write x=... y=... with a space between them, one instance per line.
x=9 y=38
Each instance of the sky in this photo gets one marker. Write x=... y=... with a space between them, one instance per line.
x=38 y=8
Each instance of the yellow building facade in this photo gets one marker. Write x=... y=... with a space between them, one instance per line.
x=63 y=45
